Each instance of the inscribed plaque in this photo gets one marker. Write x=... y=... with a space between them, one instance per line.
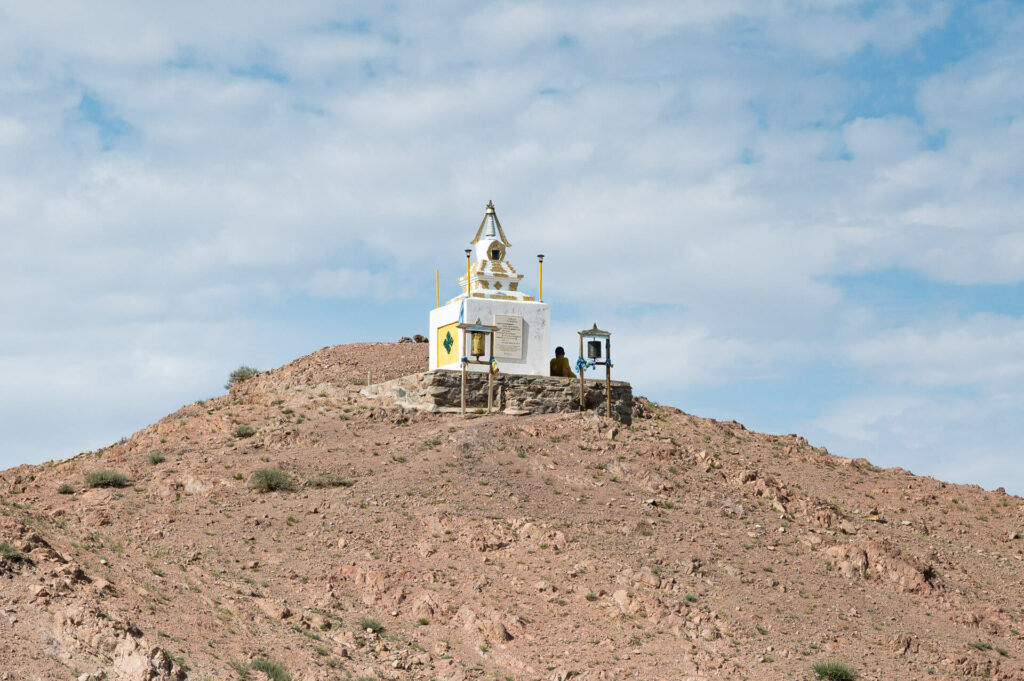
x=508 y=339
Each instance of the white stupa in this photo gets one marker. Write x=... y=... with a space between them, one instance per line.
x=492 y=295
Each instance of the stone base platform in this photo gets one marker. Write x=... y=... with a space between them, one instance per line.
x=440 y=391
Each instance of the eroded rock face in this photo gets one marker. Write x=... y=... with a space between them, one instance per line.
x=83 y=634
x=487 y=626
x=884 y=562
x=375 y=586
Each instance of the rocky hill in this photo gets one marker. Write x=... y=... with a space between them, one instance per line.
x=295 y=529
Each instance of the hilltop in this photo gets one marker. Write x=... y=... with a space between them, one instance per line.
x=554 y=546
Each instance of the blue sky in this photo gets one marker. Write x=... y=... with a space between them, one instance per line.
x=810 y=212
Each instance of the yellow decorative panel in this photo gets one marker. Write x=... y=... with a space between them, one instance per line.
x=448 y=344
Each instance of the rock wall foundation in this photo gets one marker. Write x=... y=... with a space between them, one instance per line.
x=513 y=393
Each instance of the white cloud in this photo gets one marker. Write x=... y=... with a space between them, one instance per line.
x=355 y=283
x=983 y=352
x=707 y=159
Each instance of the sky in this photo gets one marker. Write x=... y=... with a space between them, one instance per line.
x=801 y=215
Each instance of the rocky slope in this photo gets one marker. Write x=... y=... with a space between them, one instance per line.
x=557 y=546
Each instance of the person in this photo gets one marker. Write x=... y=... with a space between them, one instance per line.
x=560 y=364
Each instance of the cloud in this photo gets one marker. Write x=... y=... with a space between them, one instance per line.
x=184 y=190
x=355 y=283
x=980 y=352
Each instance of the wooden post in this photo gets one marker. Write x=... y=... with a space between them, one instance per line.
x=367 y=377
x=437 y=286
x=583 y=403
x=490 y=377
x=608 y=389
x=608 y=376
x=465 y=364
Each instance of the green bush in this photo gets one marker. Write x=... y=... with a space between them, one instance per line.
x=244 y=431
x=271 y=480
x=274 y=670
x=106 y=479
x=242 y=373
x=65 y=489
x=833 y=671
x=9 y=552
x=329 y=480
x=364 y=623
x=155 y=458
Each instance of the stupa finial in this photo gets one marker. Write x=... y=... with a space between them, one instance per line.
x=493 y=225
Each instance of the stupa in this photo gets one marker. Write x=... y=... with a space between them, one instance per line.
x=490 y=294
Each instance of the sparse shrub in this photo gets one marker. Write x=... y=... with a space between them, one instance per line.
x=65 y=489
x=980 y=645
x=271 y=480
x=423 y=621
x=242 y=373
x=691 y=597
x=275 y=670
x=9 y=552
x=244 y=431
x=106 y=479
x=329 y=480
x=155 y=458
x=591 y=596
x=364 y=623
x=833 y=671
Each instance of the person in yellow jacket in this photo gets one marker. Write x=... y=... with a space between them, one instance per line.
x=560 y=364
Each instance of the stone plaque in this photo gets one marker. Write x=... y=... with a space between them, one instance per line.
x=508 y=339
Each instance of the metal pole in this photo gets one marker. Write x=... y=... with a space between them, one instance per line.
x=540 y=290
x=467 y=274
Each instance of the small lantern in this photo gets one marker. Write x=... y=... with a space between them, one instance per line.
x=477 y=344
x=594 y=349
